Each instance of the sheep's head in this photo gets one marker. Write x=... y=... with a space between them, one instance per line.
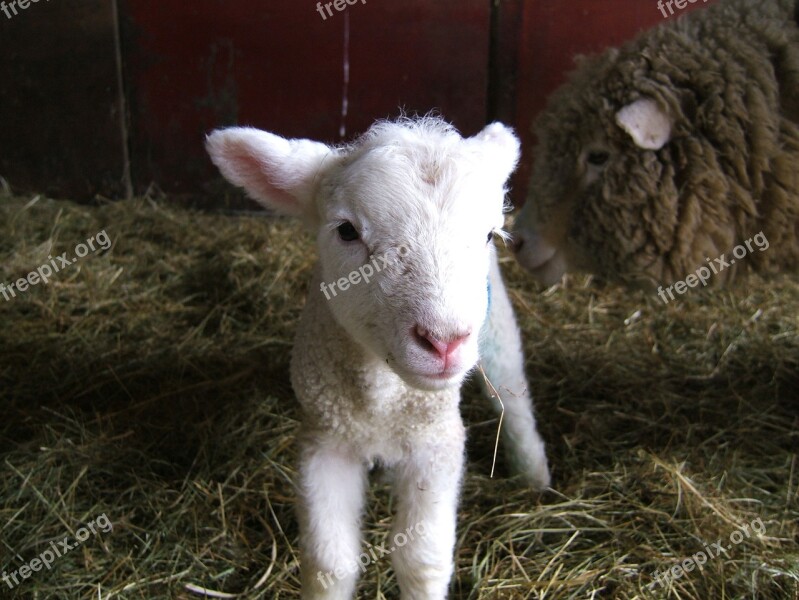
x=404 y=220
x=627 y=180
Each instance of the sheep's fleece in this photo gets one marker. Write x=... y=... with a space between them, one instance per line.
x=658 y=157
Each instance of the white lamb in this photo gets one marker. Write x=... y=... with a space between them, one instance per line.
x=381 y=352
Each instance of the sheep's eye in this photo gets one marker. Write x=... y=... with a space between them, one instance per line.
x=347 y=232
x=597 y=158
x=490 y=236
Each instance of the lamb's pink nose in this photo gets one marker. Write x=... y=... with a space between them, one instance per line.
x=441 y=347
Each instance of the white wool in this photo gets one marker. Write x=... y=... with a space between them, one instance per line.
x=377 y=366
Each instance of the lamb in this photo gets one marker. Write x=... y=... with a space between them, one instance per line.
x=657 y=158
x=377 y=366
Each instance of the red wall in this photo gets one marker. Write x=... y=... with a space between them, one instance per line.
x=279 y=66
x=73 y=121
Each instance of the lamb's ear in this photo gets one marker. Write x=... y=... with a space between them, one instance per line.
x=499 y=148
x=276 y=172
x=647 y=123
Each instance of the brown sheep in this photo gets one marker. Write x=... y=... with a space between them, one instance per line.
x=659 y=157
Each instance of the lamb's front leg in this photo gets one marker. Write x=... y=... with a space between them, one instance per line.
x=427 y=486
x=502 y=358
x=332 y=482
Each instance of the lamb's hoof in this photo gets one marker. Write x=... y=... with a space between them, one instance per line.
x=534 y=470
x=538 y=477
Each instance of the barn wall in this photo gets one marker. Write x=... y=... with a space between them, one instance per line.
x=280 y=66
x=60 y=106
x=92 y=101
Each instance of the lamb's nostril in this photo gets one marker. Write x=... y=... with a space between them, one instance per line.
x=420 y=335
x=442 y=347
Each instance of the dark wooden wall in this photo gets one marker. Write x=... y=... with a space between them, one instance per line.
x=105 y=96
x=60 y=108
x=280 y=66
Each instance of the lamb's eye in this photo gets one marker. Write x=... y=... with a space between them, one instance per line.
x=597 y=158
x=490 y=236
x=347 y=232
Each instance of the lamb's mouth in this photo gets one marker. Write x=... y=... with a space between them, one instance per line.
x=432 y=381
x=425 y=379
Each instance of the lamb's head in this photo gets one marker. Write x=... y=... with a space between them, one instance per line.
x=404 y=220
x=627 y=181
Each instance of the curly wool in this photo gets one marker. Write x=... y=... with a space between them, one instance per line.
x=728 y=76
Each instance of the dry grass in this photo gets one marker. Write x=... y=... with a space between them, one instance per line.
x=149 y=383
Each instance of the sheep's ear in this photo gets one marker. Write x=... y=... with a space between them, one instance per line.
x=276 y=172
x=648 y=125
x=499 y=148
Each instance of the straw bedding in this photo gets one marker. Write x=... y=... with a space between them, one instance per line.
x=149 y=383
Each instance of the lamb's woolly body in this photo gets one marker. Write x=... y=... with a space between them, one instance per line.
x=728 y=78
x=373 y=385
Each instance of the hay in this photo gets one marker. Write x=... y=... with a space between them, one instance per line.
x=149 y=383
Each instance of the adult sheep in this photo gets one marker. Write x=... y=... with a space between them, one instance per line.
x=381 y=352
x=658 y=159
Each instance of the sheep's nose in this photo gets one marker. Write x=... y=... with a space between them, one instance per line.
x=441 y=347
x=516 y=244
